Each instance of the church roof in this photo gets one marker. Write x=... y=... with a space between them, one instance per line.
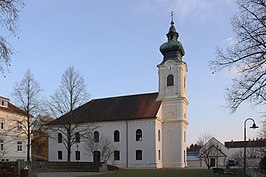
x=130 y=107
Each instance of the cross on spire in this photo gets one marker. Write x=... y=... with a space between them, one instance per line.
x=172 y=16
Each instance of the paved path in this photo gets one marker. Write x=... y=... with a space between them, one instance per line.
x=67 y=174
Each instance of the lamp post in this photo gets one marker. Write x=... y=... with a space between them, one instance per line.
x=254 y=126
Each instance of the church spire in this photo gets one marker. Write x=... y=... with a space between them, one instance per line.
x=172 y=34
x=172 y=49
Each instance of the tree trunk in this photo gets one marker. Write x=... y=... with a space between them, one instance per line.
x=68 y=146
x=69 y=154
x=28 y=138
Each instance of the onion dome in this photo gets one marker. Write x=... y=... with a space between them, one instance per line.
x=172 y=49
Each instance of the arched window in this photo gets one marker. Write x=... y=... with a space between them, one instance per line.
x=116 y=136
x=159 y=135
x=96 y=136
x=59 y=138
x=170 y=80
x=77 y=137
x=138 y=135
x=138 y=154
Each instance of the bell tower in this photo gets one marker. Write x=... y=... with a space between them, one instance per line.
x=172 y=92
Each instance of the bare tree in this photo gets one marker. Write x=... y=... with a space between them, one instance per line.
x=71 y=94
x=39 y=142
x=254 y=155
x=203 y=139
x=9 y=10
x=27 y=96
x=105 y=146
x=4 y=144
x=246 y=56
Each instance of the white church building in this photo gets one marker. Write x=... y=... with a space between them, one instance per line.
x=146 y=130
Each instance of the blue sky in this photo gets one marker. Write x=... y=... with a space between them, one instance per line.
x=115 y=46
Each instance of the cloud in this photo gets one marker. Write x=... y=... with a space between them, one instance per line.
x=185 y=9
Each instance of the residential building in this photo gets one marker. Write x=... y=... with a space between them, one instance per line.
x=256 y=150
x=12 y=139
x=213 y=154
x=146 y=130
x=39 y=147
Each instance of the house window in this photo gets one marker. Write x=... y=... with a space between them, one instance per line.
x=1 y=145
x=19 y=143
x=138 y=154
x=116 y=136
x=19 y=125
x=77 y=137
x=59 y=155
x=138 y=135
x=159 y=135
x=116 y=155
x=159 y=154
x=59 y=138
x=170 y=80
x=77 y=155
x=185 y=136
x=96 y=136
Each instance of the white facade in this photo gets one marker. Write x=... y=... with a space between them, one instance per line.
x=150 y=144
x=163 y=137
x=12 y=141
x=174 y=112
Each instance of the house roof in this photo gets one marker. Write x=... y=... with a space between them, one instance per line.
x=12 y=108
x=213 y=143
x=130 y=107
x=250 y=143
x=213 y=150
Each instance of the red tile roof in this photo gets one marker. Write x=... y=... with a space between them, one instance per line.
x=142 y=106
x=12 y=108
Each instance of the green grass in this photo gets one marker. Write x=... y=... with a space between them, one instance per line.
x=157 y=173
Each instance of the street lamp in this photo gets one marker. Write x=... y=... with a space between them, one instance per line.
x=254 y=126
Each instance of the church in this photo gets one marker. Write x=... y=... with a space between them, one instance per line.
x=144 y=130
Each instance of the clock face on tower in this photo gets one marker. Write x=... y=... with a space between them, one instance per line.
x=170 y=66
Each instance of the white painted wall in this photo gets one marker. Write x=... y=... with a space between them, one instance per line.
x=173 y=113
x=148 y=145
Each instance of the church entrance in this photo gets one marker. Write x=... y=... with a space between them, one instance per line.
x=96 y=156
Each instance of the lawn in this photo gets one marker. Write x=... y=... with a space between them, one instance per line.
x=157 y=173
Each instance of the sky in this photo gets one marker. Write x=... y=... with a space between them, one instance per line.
x=115 y=46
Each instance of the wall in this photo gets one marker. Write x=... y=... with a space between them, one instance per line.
x=11 y=135
x=127 y=152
